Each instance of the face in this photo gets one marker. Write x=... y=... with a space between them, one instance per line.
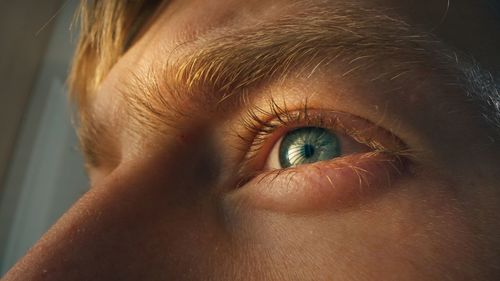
x=280 y=140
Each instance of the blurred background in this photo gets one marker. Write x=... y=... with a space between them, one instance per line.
x=41 y=168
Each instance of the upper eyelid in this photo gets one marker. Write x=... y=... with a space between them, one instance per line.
x=263 y=123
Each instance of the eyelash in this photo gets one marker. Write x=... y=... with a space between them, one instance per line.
x=261 y=124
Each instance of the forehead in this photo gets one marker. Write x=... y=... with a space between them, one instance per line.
x=468 y=26
x=177 y=23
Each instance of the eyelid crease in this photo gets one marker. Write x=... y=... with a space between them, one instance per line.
x=261 y=125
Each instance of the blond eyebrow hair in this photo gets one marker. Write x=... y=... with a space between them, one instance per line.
x=222 y=65
x=360 y=43
x=106 y=29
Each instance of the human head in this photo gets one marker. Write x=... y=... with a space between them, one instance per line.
x=182 y=103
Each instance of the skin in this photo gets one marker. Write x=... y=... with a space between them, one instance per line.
x=169 y=208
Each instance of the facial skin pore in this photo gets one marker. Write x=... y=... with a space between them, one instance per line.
x=184 y=126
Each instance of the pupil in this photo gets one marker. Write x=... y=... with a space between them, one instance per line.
x=308 y=145
x=308 y=150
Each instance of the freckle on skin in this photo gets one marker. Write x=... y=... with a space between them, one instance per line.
x=185 y=139
x=182 y=138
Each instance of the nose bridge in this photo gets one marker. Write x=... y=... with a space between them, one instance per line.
x=145 y=210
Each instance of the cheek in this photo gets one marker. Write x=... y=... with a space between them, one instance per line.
x=419 y=231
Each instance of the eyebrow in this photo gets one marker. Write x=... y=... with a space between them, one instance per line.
x=219 y=66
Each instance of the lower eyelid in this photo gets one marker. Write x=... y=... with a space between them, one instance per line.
x=341 y=183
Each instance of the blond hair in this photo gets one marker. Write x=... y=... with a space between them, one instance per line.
x=106 y=30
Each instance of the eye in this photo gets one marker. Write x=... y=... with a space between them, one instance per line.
x=284 y=139
x=311 y=159
x=304 y=146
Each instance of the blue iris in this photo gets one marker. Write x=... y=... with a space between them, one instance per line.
x=308 y=145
